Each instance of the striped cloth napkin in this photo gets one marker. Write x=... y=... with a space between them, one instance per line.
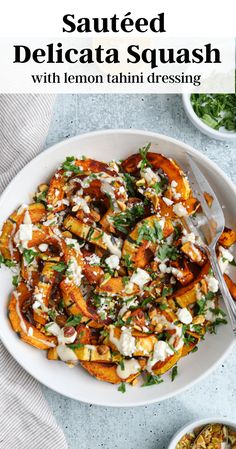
x=26 y=421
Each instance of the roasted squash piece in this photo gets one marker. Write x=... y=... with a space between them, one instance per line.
x=56 y=193
x=162 y=367
x=44 y=288
x=227 y=238
x=192 y=343
x=194 y=253
x=71 y=292
x=27 y=332
x=107 y=372
x=231 y=286
x=188 y=295
x=169 y=167
x=116 y=286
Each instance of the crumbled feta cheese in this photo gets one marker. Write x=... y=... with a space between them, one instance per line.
x=167 y=201
x=80 y=203
x=174 y=184
x=126 y=343
x=43 y=247
x=140 y=278
x=184 y=316
x=209 y=307
x=66 y=354
x=93 y=259
x=113 y=244
x=225 y=257
x=213 y=284
x=74 y=271
x=149 y=176
x=113 y=261
x=180 y=210
x=188 y=237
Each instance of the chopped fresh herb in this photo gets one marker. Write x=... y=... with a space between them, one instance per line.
x=152 y=380
x=160 y=186
x=202 y=302
x=15 y=280
x=217 y=311
x=75 y=345
x=188 y=339
x=166 y=251
x=167 y=291
x=143 y=153
x=125 y=220
x=197 y=328
x=149 y=233
x=195 y=349
x=216 y=110
x=8 y=263
x=41 y=197
x=61 y=305
x=69 y=165
x=122 y=387
x=60 y=267
x=52 y=314
x=130 y=183
x=233 y=263
x=147 y=301
x=122 y=365
x=74 y=320
x=128 y=262
x=174 y=373
x=177 y=232
x=211 y=328
x=163 y=306
x=125 y=280
x=29 y=255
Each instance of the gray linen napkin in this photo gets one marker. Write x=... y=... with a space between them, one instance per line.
x=26 y=421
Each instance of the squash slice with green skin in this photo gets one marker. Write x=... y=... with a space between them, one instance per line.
x=107 y=372
x=162 y=367
x=27 y=332
x=36 y=211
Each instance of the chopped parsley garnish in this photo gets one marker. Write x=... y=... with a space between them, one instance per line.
x=216 y=110
x=152 y=380
x=29 y=255
x=122 y=387
x=74 y=320
x=128 y=262
x=167 y=252
x=41 y=197
x=174 y=373
x=60 y=267
x=211 y=328
x=202 y=302
x=130 y=183
x=163 y=306
x=16 y=280
x=69 y=165
x=143 y=153
x=8 y=263
x=147 y=232
x=166 y=292
x=125 y=220
x=122 y=365
x=52 y=314
x=75 y=345
x=233 y=263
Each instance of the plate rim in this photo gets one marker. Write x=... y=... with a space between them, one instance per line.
x=148 y=134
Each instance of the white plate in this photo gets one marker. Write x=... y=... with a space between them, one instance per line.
x=76 y=383
x=195 y=424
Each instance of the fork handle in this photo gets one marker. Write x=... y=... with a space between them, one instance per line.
x=228 y=300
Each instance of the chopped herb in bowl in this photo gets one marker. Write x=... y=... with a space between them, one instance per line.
x=216 y=110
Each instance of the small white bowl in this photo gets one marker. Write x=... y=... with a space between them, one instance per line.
x=195 y=424
x=205 y=129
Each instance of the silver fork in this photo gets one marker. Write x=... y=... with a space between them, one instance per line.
x=209 y=228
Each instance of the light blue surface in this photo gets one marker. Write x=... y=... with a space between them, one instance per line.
x=151 y=427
